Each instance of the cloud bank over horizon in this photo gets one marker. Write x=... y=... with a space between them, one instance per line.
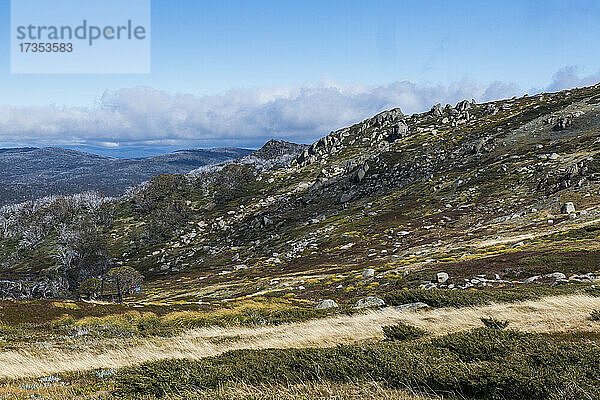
x=148 y=117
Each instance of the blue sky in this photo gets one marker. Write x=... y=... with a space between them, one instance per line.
x=239 y=72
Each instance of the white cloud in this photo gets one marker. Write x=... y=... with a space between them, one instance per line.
x=109 y=144
x=144 y=116
x=568 y=77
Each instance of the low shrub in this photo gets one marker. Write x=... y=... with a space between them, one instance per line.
x=485 y=344
x=63 y=322
x=118 y=325
x=7 y=330
x=402 y=331
x=152 y=325
x=493 y=323
x=595 y=315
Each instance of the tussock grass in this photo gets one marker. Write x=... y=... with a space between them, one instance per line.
x=148 y=324
x=562 y=314
x=305 y=391
x=240 y=391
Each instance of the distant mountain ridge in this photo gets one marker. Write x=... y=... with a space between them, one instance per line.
x=30 y=173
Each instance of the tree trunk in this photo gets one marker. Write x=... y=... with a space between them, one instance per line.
x=119 y=291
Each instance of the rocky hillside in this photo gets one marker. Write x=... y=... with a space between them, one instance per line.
x=274 y=154
x=463 y=196
x=31 y=173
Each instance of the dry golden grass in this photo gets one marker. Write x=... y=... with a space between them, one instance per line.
x=14 y=391
x=560 y=314
x=564 y=314
x=307 y=391
x=321 y=391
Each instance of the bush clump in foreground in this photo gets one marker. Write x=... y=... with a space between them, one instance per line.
x=493 y=323
x=483 y=363
x=402 y=331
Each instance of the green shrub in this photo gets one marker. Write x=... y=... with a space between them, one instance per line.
x=7 y=330
x=485 y=344
x=234 y=180
x=63 y=322
x=402 y=331
x=595 y=315
x=90 y=288
x=492 y=323
x=153 y=325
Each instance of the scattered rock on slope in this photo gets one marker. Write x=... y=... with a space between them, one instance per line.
x=369 y=302
x=442 y=277
x=568 y=208
x=325 y=304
